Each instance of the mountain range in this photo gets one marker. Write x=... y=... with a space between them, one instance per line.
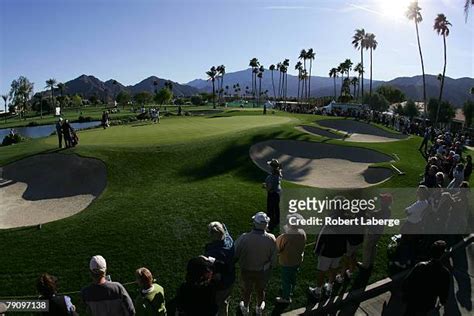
x=456 y=91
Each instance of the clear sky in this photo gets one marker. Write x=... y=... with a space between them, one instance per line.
x=129 y=40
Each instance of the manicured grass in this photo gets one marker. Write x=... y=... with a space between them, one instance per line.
x=165 y=183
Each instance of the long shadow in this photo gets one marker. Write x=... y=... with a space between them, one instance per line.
x=351 y=126
x=234 y=158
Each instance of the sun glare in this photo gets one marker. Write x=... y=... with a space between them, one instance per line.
x=394 y=8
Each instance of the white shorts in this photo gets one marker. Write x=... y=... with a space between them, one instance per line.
x=325 y=263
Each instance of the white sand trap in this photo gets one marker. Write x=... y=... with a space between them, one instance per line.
x=48 y=187
x=357 y=131
x=323 y=165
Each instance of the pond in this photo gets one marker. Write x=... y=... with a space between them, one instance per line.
x=43 y=130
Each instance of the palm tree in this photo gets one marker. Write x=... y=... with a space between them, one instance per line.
x=254 y=64
x=220 y=72
x=5 y=99
x=299 y=67
x=272 y=69
x=441 y=26
x=286 y=65
x=360 y=70
x=51 y=84
x=333 y=74
x=260 y=76
x=358 y=40
x=342 y=70
x=278 y=67
x=310 y=54
x=354 y=82
x=371 y=43
x=303 y=56
x=212 y=75
x=467 y=6
x=414 y=13
x=348 y=66
x=471 y=91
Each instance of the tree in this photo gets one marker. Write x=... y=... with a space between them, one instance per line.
x=143 y=97
x=354 y=82
x=260 y=76
x=20 y=94
x=441 y=26
x=254 y=64
x=360 y=70
x=348 y=66
x=299 y=67
x=414 y=13
x=371 y=44
x=220 y=74
x=410 y=109
x=163 y=96
x=468 y=111
x=272 y=69
x=345 y=90
x=303 y=56
x=467 y=6
x=333 y=74
x=392 y=94
x=212 y=75
x=123 y=98
x=445 y=114
x=376 y=102
x=5 y=100
x=76 y=100
x=50 y=84
x=285 y=66
x=310 y=54
x=358 y=40
x=196 y=100
x=471 y=91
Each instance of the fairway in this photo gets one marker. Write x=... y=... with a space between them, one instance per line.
x=173 y=131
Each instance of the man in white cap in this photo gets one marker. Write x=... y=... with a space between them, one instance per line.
x=104 y=297
x=256 y=253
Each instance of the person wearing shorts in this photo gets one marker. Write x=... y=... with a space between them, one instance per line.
x=330 y=247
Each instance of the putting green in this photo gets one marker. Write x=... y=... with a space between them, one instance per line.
x=172 y=131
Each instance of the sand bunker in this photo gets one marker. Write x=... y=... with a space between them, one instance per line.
x=319 y=132
x=323 y=165
x=48 y=187
x=360 y=132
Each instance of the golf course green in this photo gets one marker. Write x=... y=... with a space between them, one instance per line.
x=165 y=183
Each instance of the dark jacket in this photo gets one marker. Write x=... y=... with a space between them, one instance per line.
x=223 y=252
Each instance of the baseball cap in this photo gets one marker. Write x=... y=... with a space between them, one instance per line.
x=261 y=218
x=98 y=263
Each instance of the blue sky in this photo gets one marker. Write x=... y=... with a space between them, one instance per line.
x=129 y=40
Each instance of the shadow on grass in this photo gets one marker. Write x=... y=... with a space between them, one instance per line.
x=235 y=158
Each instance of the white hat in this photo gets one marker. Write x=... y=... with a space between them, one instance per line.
x=261 y=218
x=98 y=263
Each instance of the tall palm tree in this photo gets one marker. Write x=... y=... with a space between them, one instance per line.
x=51 y=84
x=441 y=26
x=212 y=75
x=467 y=6
x=333 y=74
x=358 y=40
x=303 y=56
x=278 y=67
x=61 y=87
x=414 y=13
x=272 y=69
x=221 y=74
x=360 y=70
x=371 y=43
x=310 y=54
x=254 y=64
x=354 y=82
x=348 y=66
x=286 y=65
x=299 y=67
x=260 y=76
x=5 y=99
x=342 y=70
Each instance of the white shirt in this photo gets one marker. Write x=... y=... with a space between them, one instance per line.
x=416 y=210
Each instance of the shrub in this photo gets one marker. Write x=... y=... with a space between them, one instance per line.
x=83 y=119
x=10 y=140
x=196 y=100
x=33 y=123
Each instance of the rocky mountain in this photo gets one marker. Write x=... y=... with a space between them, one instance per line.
x=455 y=91
x=88 y=86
